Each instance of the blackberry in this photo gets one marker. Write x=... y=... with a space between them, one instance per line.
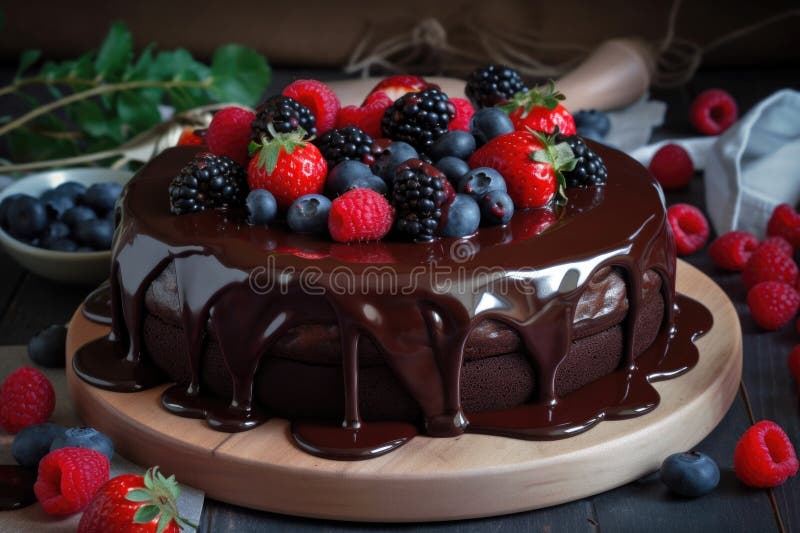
x=285 y=114
x=348 y=143
x=418 y=197
x=208 y=181
x=418 y=118
x=489 y=86
x=589 y=168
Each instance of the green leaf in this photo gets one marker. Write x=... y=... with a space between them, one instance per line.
x=26 y=60
x=139 y=495
x=146 y=514
x=115 y=52
x=52 y=70
x=25 y=145
x=136 y=111
x=240 y=74
x=84 y=67
x=90 y=118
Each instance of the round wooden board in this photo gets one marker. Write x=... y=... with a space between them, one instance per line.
x=427 y=479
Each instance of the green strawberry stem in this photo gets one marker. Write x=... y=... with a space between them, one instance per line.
x=558 y=155
x=547 y=97
x=160 y=496
x=269 y=150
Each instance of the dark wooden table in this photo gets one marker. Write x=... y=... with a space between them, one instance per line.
x=29 y=303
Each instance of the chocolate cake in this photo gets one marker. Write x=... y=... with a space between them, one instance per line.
x=538 y=329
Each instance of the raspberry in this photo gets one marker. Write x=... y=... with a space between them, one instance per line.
x=69 y=478
x=229 y=133
x=769 y=263
x=360 y=215
x=689 y=226
x=764 y=456
x=781 y=244
x=26 y=398
x=464 y=112
x=367 y=117
x=190 y=137
x=713 y=111
x=672 y=167
x=785 y=222
x=317 y=97
x=732 y=250
x=794 y=361
x=773 y=304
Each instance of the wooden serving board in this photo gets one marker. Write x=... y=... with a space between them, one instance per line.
x=427 y=479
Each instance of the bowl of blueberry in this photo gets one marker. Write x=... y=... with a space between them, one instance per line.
x=59 y=224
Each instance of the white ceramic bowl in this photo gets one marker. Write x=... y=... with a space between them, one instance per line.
x=65 y=267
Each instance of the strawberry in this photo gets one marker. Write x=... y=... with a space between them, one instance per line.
x=288 y=166
x=135 y=504
x=539 y=110
x=531 y=163
x=396 y=86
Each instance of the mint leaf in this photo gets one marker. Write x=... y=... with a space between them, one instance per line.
x=115 y=52
x=26 y=61
x=137 y=112
x=90 y=118
x=240 y=75
x=84 y=67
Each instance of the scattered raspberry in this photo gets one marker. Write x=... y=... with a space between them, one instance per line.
x=190 y=137
x=672 y=167
x=781 y=244
x=367 y=117
x=464 y=112
x=317 y=97
x=764 y=456
x=794 y=361
x=769 y=263
x=773 y=304
x=68 y=479
x=360 y=215
x=732 y=250
x=26 y=398
x=689 y=226
x=229 y=133
x=713 y=111
x=785 y=222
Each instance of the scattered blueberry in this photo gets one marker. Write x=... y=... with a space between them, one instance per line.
x=96 y=233
x=593 y=124
x=54 y=232
x=391 y=156
x=497 y=208
x=72 y=189
x=74 y=215
x=452 y=167
x=309 y=213
x=455 y=143
x=46 y=348
x=33 y=442
x=261 y=207
x=56 y=203
x=84 y=437
x=102 y=196
x=27 y=217
x=463 y=217
x=68 y=245
x=690 y=474
x=342 y=176
x=488 y=123
x=479 y=181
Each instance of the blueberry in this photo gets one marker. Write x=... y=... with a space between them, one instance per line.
x=84 y=437
x=56 y=203
x=102 y=196
x=453 y=168
x=341 y=177
x=690 y=474
x=497 y=208
x=4 y=205
x=54 y=232
x=488 y=123
x=479 y=181
x=33 y=442
x=68 y=245
x=309 y=214
x=72 y=189
x=96 y=233
x=74 y=215
x=261 y=207
x=46 y=348
x=27 y=217
x=463 y=217
x=592 y=121
x=396 y=153
x=456 y=143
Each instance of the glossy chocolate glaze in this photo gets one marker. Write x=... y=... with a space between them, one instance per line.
x=16 y=487
x=249 y=285
x=97 y=306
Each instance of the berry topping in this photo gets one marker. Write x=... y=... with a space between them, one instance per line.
x=262 y=208
x=396 y=86
x=497 y=208
x=769 y=263
x=26 y=398
x=319 y=99
x=69 y=478
x=764 y=456
x=341 y=144
x=46 y=348
x=463 y=217
x=488 y=123
x=309 y=214
x=794 y=362
x=480 y=181
x=539 y=109
x=33 y=442
x=191 y=137
x=773 y=304
x=453 y=168
x=463 y=117
x=418 y=118
x=592 y=124
x=288 y=166
x=781 y=244
x=672 y=167
x=84 y=437
x=492 y=85
x=713 y=111
x=367 y=117
x=589 y=167
x=732 y=250
x=207 y=181
x=285 y=115
x=418 y=196
x=690 y=474
x=458 y=144
x=390 y=157
x=785 y=222
x=360 y=215
x=689 y=226
x=229 y=133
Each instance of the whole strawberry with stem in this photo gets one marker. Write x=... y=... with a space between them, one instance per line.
x=532 y=164
x=540 y=110
x=287 y=165
x=135 y=504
